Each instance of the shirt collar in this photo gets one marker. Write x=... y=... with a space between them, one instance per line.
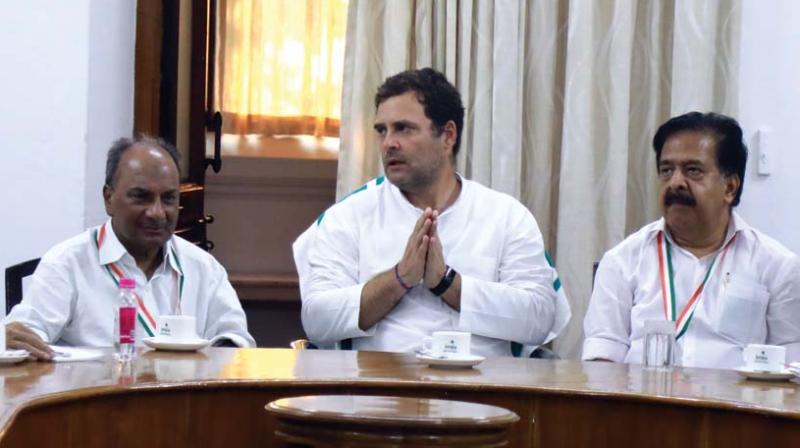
x=736 y=225
x=111 y=249
x=402 y=198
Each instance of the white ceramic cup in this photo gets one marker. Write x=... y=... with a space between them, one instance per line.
x=177 y=327
x=764 y=358
x=448 y=344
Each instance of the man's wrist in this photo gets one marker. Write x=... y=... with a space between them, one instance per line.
x=445 y=283
x=432 y=278
x=399 y=278
x=224 y=342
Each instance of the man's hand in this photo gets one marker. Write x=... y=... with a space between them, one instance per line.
x=384 y=292
x=20 y=337
x=434 y=262
x=411 y=267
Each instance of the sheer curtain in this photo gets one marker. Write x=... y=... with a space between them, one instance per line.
x=279 y=66
x=562 y=100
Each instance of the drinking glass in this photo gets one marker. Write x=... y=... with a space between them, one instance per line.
x=659 y=344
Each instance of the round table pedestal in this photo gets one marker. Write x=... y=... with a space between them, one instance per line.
x=375 y=421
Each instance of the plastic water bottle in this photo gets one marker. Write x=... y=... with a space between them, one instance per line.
x=126 y=320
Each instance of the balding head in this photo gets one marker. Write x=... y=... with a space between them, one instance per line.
x=122 y=145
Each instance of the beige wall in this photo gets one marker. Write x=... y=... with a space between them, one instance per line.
x=260 y=206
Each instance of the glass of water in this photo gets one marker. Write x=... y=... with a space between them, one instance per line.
x=659 y=344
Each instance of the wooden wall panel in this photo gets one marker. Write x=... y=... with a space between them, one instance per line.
x=147 y=79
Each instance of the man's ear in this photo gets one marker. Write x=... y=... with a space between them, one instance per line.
x=732 y=183
x=107 y=192
x=450 y=133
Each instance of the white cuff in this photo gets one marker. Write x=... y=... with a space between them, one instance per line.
x=599 y=348
x=235 y=338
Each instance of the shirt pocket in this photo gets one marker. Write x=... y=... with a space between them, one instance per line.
x=742 y=313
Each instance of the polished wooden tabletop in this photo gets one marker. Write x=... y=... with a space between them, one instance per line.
x=216 y=398
x=36 y=381
x=405 y=411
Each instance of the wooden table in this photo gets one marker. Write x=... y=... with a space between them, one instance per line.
x=216 y=398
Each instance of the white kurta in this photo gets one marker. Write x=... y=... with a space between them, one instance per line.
x=752 y=296
x=508 y=289
x=72 y=299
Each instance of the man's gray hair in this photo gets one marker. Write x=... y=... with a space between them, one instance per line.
x=119 y=147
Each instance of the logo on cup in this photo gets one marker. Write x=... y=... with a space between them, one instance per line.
x=177 y=327
x=448 y=344
x=165 y=330
x=764 y=358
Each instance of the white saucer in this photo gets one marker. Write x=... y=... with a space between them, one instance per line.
x=450 y=361
x=13 y=356
x=764 y=375
x=178 y=345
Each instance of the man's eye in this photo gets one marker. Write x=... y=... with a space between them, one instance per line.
x=665 y=172
x=694 y=172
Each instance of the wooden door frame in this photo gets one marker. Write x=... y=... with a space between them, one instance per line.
x=156 y=96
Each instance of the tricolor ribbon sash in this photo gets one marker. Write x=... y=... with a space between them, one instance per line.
x=667 y=278
x=144 y=315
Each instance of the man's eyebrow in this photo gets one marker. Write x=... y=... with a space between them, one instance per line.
x=138 y=191
x=681 y=162
x=395 y=124
x=406 y=123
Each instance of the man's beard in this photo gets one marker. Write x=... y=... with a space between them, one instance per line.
x=681 y=197
x=418 y=178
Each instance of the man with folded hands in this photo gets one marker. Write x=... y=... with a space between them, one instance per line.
x=722 y=283
x=73 y=296
x=424 y=249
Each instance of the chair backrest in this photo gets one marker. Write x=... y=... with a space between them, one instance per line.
x=14 y=276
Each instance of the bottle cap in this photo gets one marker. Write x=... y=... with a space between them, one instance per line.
x=127 y=283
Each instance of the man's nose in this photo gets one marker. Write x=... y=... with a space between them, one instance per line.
x=389 y=141
x=156 y=210
x=677 y=180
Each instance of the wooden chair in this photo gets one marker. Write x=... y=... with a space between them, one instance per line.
x=14 y=276
x=382 y=421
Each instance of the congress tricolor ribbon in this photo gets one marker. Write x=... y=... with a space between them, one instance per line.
x=667 y=278
x=144 y=315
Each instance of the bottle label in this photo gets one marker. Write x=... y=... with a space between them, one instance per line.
x=127 y=324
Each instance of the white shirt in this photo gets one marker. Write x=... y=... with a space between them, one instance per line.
x=751 y=297
x=72 y=298
x=507 y=286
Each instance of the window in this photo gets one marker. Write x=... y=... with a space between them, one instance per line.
x=279 y=68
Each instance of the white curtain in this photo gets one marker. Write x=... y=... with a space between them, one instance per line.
x=562 y=99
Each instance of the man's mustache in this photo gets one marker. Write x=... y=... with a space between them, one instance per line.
x=681 y=197
x=154 y=224
x=391 y=156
